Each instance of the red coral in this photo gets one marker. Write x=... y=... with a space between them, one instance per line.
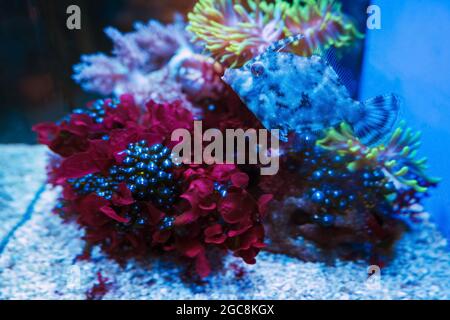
x=231 y=221
x=73 y=135
x=163 y=118
x=100 y=289
x=90 y=144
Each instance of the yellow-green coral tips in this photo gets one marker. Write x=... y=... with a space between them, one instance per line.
x=397 y=157
x=234 y=31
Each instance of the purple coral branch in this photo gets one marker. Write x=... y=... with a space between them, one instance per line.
x=135 y=56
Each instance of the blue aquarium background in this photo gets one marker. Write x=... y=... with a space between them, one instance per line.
x=410 y=56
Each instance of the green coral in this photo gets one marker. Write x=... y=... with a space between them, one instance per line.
x=321 y=21
x=234 y=31
x=397 y=157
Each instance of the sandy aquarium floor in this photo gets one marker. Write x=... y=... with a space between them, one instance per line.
x=38 y=250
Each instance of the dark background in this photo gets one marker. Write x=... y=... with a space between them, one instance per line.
x=38 y=53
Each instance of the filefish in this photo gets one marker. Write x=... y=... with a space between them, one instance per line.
x=294 y=93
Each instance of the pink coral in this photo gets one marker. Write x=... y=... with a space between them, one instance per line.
x=154 y=62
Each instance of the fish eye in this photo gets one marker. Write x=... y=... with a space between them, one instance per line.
x=257 y=69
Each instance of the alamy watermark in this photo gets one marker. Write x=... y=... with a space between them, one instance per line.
x=236 y=147
x=374 y=19
x=373 y=281
x=73 y=21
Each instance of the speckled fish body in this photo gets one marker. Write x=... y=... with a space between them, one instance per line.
x=305 y=95
x=294 y=93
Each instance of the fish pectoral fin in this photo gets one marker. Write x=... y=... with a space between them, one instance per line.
x=345 y=76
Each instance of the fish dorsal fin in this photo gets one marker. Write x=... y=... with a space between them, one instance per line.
x=279 y=45
x=345 y=75
x=276 y=46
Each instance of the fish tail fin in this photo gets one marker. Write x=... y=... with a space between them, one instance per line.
x=378 y=118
